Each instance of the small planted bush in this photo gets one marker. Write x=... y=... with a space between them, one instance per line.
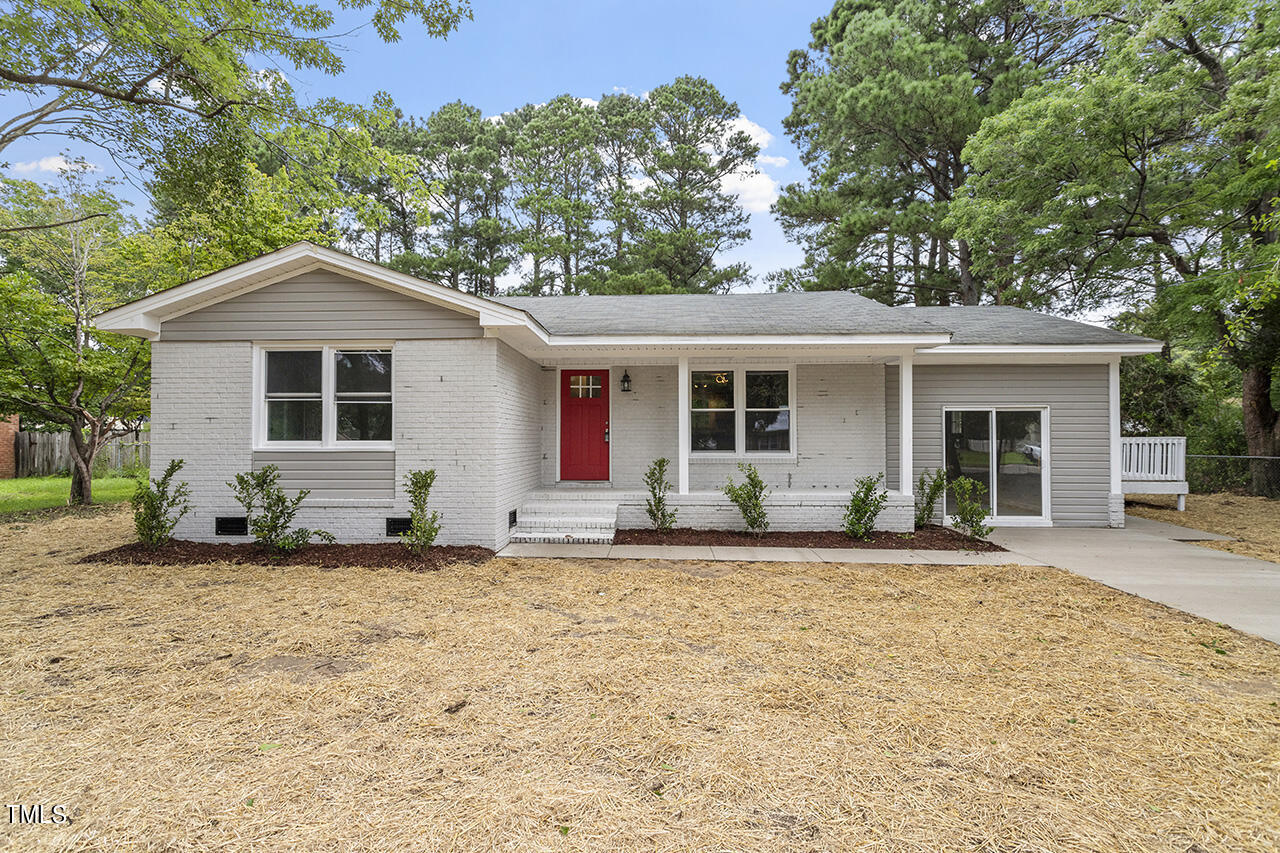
x=865 y=502
x=158 y=505
x=270 y=511
x=424 y=526
x=970 y=516
x=749 y=498
x=929 y=489
x=662 y=516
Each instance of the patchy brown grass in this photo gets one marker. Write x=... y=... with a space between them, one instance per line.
x=1253 y=521
x=598 y=705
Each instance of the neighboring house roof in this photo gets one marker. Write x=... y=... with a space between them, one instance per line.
x=1005 y=325
x=789 y=313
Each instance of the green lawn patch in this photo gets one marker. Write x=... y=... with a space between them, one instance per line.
x=28 y=493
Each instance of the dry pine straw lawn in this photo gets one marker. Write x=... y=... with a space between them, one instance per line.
x=588 y=705
x=1253 y=521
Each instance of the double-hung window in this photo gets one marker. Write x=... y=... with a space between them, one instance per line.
x=741 y=412
x=326 y=397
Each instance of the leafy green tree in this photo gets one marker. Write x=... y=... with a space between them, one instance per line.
x=883 y=101
x=1142 y=176
x=125 y=76
x=461 y=164
x=555 y=169
x=684 y=217
x=626 y=134
x=54 y=366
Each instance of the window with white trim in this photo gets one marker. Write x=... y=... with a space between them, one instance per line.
x=326 y=396
x=741 y=412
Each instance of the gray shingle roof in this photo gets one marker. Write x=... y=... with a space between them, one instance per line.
x=788 y=313
x=1001 y=324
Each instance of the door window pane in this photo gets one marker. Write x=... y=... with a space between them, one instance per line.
x=1018 y=465
x=584 y=386
x=711 y=430
x=712 y=389
x=968 y=438
x=294 y=420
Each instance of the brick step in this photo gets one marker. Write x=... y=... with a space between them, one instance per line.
x=578 y=535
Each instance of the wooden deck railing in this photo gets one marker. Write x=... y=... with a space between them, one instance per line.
x=1153 y=459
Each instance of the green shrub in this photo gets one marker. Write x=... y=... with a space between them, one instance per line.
x=749 y=498
x=970 y=517
x=158 y=505
x=929 y=489
x=662 y=516
x=270 y=512
x=865 y=502
x=423 y=526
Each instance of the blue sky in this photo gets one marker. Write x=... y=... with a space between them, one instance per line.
x=514 y=53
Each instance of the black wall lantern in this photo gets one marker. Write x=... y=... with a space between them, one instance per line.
x=626 y=381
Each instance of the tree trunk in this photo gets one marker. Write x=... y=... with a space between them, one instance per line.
x=82 y=454
x=1261 y=431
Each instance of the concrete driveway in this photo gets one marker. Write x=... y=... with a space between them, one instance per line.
x=1150 y=559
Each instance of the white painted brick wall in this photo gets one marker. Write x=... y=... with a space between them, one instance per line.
x=446 y=408
x=517 y=434
x=819 y=511
x=839 y=433
x=201 y=397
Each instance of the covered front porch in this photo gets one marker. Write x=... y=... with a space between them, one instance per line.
x=811 y=423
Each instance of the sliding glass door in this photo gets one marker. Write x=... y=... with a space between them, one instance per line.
x=1005 y=451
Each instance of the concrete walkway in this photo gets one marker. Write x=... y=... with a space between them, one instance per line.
x=766 y=555
x=1156 y=561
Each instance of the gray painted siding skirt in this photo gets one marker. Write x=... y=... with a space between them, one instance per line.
x=334 y=474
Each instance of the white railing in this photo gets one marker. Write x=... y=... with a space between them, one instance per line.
x=1149 y=458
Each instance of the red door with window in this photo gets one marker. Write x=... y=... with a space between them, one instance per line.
x=584 y=425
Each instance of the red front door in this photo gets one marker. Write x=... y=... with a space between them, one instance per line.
x=584 y=425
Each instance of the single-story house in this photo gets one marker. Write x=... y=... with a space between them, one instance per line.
x=540 y=415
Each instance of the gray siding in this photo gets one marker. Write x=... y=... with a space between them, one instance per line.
x=334 y=474
x=1079 y=439
x=320 y=305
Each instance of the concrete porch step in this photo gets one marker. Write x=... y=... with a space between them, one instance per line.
x=567 y=515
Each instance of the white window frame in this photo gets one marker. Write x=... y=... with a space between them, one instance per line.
x=740 y=414
x=1045 y=519
x=329 y=406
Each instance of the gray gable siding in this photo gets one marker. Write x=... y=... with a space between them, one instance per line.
x=320 y=305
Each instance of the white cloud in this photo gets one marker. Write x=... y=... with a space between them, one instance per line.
x=758 y=134
x=53 y=163
x=770 y=160
x=757 y=192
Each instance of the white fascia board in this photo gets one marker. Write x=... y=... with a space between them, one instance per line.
x=929 y=340
x=1097 y=351
x=143 y=315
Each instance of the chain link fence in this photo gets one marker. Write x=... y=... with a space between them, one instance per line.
x=1255 y=475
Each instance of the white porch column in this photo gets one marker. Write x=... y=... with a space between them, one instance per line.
x=906 y=437
x=682 y=431
x=1113 y=389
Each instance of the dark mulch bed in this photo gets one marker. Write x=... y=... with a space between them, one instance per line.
x=181 y=552
x=928 y=538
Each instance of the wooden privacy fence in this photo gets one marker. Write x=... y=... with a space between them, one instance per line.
x=42 y=454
